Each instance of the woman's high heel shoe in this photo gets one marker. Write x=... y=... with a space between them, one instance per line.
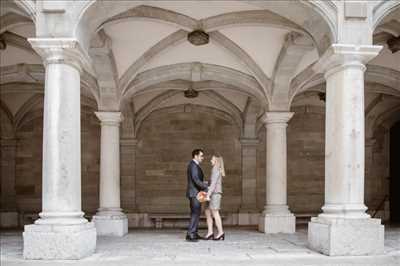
x=210 y=237
x=221 y=237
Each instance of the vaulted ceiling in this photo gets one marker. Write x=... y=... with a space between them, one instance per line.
x=255 y=49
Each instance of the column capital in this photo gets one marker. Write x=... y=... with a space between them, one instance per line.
x=62 y=51
x=277 y=117
x=109 y=118
x=339 y=56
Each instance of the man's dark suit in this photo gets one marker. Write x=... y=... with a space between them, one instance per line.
x=194 y=185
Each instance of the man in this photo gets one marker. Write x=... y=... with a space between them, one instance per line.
x=195 y=184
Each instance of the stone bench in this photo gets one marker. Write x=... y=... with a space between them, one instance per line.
x=159 y=218
x=27 y=218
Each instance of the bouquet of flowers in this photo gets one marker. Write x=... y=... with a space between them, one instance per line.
x=201 y=196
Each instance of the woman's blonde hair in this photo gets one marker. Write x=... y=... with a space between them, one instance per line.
x=220 y=162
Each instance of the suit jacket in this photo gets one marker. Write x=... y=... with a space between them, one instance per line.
x=195 y=180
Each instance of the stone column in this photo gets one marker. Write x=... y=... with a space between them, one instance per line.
x=248 y=209
x=276 y=217
x=8 y=210
x=61 y=232
x=110 y=220
x=344 y=228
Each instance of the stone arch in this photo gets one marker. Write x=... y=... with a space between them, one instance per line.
x=90 y=86
x=93 y=14
x=312 y=93
x=30 y=115
x=382 y=10
x=29 y=7
x=154 y=13
x=304 y=80
x=226 y=107
x=250 y=117
x=17 y=12
x=388 y=118
x=390 y=78
x=11 y=20
x=101 y=13
x=291 y=53
x=328 y=13
x=309 y=14
x=35 y=100
x=308 y=78
x=34 y=106
x=7 y=129
x=252 y=17
x=18 y=74
x=179 y=36
x=195 y=72
x=199 y=108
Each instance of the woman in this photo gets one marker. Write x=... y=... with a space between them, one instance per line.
x=214 y=195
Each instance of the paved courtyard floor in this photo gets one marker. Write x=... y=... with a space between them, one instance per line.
x=241 y=247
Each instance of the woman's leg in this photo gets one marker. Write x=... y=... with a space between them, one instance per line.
x=218 y=222
x=209 y=222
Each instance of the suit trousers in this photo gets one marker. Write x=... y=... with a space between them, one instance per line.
x=195 y=212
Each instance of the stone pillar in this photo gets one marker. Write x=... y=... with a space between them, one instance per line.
x=61 y=232
x=8 y=206
x=248 y=206
x=110 y=220
x=344 y=228
x=276 y=217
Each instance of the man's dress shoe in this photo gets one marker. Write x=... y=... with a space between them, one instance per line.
x=191 y=238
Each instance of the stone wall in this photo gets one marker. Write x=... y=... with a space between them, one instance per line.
x=166 y=141
x=306 y=159
x=306 y=163
x=90 y=128
x=305 y=168
x=28 y=167
x=377 y=170
x=156 y=180
x=261 y=170
x=28 y=177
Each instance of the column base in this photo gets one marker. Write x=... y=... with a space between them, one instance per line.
x=346 y=237
x=111 y=225
x=59 y=242
x=271 y=223
x=8 y=219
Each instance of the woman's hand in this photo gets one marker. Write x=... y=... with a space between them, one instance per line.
x=208 y=196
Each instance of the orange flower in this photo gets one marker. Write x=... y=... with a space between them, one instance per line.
x=201 y=196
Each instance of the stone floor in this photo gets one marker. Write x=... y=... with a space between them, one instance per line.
x=241 y=247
